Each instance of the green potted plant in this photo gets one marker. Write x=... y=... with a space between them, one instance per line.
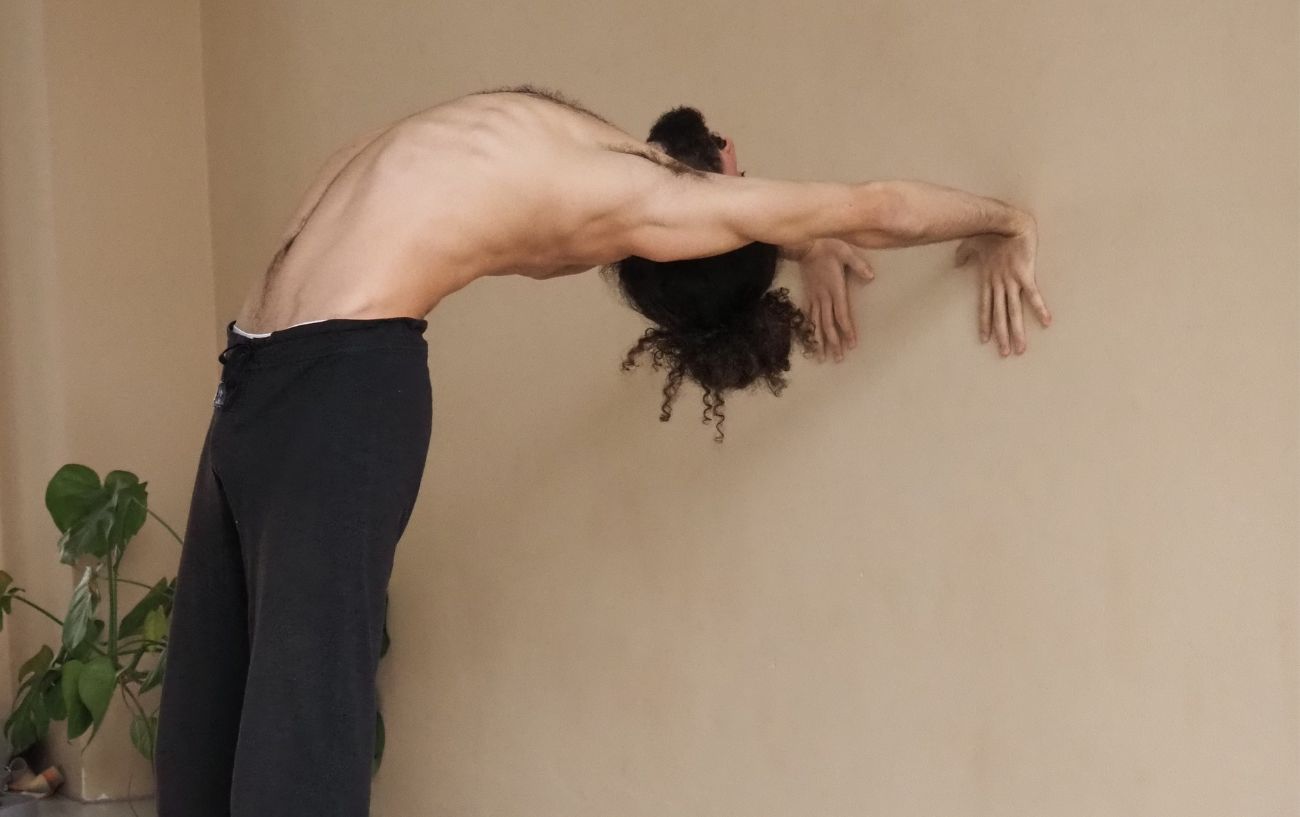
x=96 y=656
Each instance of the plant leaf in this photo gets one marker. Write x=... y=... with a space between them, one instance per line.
x=71 y=674
x=134 y=620
x=79 y=718
x=130 y=500
x=72 y=493
x=96 y=520
x=379 y=742
x=79 y=721
x=29 y=720
x=85 y=650
x=54 y=696
x=40 y=719
x=80 y=611
x=37 y=664
x=155 y=676
x=155 y=625
x=88 y=536
x=95 y=687
x=7 y=591
x=143 y=732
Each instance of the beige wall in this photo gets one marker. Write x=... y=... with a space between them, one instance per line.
x=106 y=347
x=926 y=580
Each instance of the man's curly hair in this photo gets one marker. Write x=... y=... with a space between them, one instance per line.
x=716 y=321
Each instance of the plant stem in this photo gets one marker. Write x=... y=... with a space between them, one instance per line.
x=161 y=521
x=38 y=607
x=175 y=536
x=131 y=642
x=125 y=695
x=122 y=686
x=112 y=609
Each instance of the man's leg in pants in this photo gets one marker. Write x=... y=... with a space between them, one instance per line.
x=207 y=657
x=329 y=463
x=317 y=457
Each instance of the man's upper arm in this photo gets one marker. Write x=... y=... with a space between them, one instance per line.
x=665 y=211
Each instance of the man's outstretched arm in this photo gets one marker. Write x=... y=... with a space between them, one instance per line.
x=628 y=205
x=634 y=206
x=929 y=213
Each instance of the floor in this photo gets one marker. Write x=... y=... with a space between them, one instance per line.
x=55 y=806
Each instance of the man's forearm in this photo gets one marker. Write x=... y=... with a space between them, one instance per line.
x=928 y=213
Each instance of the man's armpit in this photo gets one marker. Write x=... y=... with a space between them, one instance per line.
x=678 y=168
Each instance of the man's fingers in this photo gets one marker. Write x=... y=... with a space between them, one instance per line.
x=861 y=266
x=815 y=312
x=832 y=336
x=986 y=308
x=1017 y=322
x=844 y=318
x=1036 y=298
x=1000 y=315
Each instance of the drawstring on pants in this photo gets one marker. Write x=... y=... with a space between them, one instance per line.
x=233 y=358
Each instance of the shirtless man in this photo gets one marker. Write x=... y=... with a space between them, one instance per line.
x=317 y=444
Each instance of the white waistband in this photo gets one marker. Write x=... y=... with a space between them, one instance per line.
x=267 y=334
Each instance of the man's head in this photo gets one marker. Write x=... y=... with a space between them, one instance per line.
x=716 y=321
x=682 y=134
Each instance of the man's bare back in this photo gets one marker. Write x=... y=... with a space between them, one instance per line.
x=413 y=211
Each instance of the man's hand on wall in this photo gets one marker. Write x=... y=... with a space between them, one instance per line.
x=1006 y=269
x=825 y=269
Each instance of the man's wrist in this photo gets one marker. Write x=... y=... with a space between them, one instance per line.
x=1022 y=221
x=796 y=252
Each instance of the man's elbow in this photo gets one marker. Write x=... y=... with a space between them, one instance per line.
x=887 y=210
x=877 y=216
x=790 y=213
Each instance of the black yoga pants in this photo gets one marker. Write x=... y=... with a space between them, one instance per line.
x=308 y=474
